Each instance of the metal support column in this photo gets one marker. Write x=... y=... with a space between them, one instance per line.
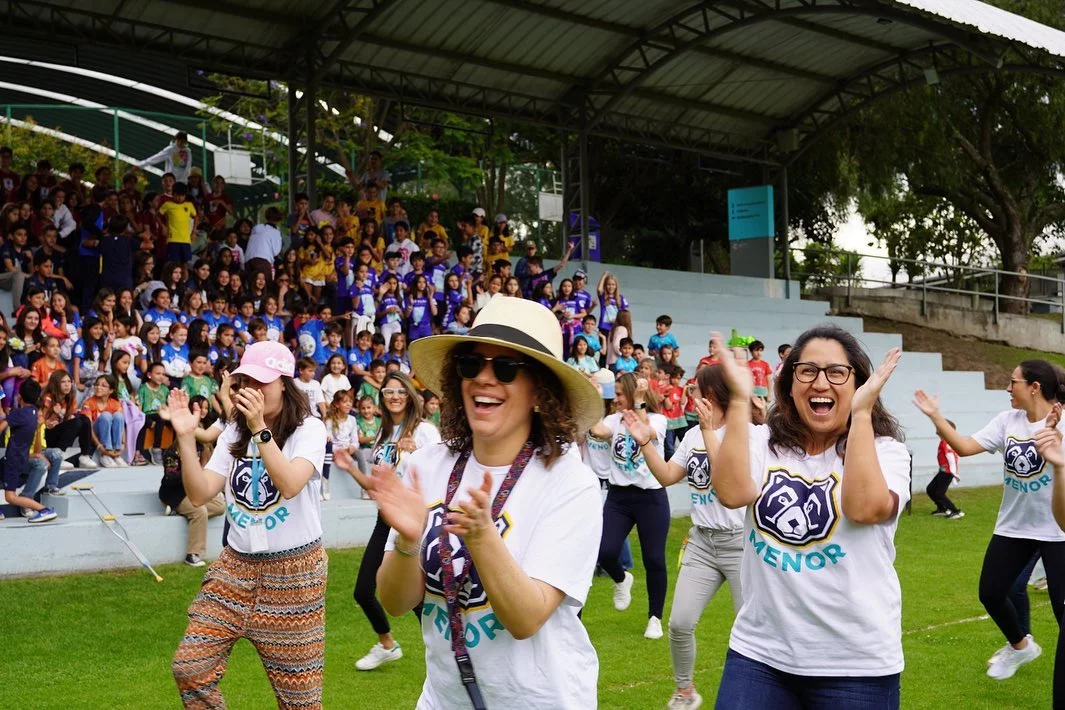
x=293 y=153
x=310 y=99
x=117 y=171
x=567 y=198
x=585 y=189
x=784 y=221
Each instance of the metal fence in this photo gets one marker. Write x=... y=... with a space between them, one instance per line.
x=1043 y=293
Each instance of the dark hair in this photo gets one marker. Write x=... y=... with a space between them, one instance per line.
x=67 y=401
x=553 y=426
x=664 y=320
x=181 y=188
x=30 y=392
x=786 y=429
x=295 y=408
x=304 y=362
x=153 y=351
x=124 y=378
x=118 y=224
x=20 y=324
x=412 y=415
x=1046 y=376
x=713 y=386
x=463 y=251
x=196 y=342
x=626 y=341
x=376 y=363
x=781 y=349
x=756 y=345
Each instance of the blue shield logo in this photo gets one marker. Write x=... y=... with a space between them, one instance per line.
x=795 y=511
x=1022 y=459
x=698 y=468
x=626 y=453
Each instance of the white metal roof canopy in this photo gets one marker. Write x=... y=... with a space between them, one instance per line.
x=742 y=79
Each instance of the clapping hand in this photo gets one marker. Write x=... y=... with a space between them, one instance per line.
x=705 y=409
x=640 y=430
x=1048 y=439
x=472 y=519
x=177 y=412
x=739 y=379
x=401 y=506
x=865 y=397
x=928 y=404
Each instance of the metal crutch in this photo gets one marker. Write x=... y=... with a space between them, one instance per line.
x=111 y=523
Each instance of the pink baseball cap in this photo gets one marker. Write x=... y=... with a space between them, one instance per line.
x=266 y=361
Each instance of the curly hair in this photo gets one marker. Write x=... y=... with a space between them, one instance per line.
x=554 y=425
x=786 y=428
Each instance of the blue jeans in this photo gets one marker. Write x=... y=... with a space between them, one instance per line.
x=108 y=428
x=747 y=684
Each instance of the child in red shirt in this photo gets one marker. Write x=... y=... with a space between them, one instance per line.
x=674 y=399
x=947 y=474
x=760 y=369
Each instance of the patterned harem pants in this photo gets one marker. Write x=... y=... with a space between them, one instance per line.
x=276 y=601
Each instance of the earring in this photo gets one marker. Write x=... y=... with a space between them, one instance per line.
x=536 y=409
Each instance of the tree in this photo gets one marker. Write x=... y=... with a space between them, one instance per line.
x=987 y=146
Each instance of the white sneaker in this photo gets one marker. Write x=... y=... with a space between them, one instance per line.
x=1012 y=658
x=119 y=462
x=680 y=701
x=379 y=655
x=623 y=593
x=326 y=494
x=106 y=462
x=998 y=654
x=654 y=628
x=66 y=466
x=27 y=513
x=87 y=462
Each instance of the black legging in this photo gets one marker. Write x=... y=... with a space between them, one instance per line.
x=366 y=582
x=62 y=435
x=648 y=510
x=937 y=491
x=1005 y=559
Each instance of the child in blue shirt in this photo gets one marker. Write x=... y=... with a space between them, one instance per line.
x=160 y=312
x=663 y=337
x=626 y=362
x=217 y=315
x=334 y=333
x=20 y=469
x=175 y=354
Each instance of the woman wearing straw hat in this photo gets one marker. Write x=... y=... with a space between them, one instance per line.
x=402 y=432
x=268 y=585
x=519 y=511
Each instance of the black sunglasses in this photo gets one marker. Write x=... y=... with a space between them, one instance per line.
x=505 y=368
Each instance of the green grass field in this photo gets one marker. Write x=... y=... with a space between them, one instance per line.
x=105 y=640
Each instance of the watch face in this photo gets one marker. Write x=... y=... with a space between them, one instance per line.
x=265 y=436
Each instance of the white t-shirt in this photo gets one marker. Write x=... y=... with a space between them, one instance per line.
x=821 y=597
x=707 y=512
x=596 y=454
x=315 y=396
x=385 y=452
x=346 y=434
x=289 y=522
x=1025 y=509
x=628 y=467
x=331 y=384
x=551 y=525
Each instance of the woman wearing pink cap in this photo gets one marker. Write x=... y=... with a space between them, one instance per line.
x=268 y=585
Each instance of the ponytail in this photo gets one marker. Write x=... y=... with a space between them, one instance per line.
x=1051 y=379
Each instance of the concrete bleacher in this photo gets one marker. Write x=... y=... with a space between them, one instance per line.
x=697 y=303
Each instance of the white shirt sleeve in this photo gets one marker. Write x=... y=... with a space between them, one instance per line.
x=426 y=434
x=308 y=442
x=221 y=461
x=564 y=545
x=680 y=453
x=993 y=436
x=758 y=446
x=159 y=157
x=895 y=465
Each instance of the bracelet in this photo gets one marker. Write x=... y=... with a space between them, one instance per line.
x=643 y=444
x=409 y=551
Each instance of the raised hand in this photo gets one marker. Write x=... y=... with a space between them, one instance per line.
x=928 y=404
x=739 y=379
x=866 y=395
x=251 y=403
x=177 y=411
x=705 y=409
x=1048 y=444
x=640 y=430
x=401 y=506
x=473 y=517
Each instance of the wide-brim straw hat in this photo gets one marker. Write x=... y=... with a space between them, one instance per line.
x=524 y=326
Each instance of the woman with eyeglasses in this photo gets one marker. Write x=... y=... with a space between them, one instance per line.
x=403 y=431
x=823 y=482
x=635 y=498
x=268 y=585
x=1025 y=522
x=497 y=532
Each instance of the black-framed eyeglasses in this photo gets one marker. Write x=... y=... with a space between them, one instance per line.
x=807 y=372
x=505 y=367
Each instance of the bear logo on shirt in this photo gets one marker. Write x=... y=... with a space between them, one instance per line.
x=627 y=454
x=1022 y=459
x=698 y=468
x=795 y=511
x=243 y=492
x=472 y=596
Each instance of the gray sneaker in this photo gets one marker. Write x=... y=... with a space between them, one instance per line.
x=680 y=701
x=157 y=457
x=194 y=561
